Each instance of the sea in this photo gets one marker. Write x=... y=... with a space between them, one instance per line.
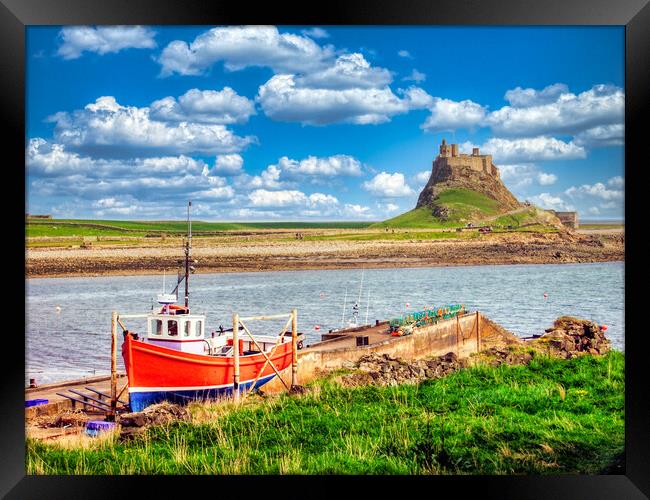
x=68 y=320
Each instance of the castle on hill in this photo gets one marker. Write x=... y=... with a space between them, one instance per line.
x=449 y=156
x=476 y=172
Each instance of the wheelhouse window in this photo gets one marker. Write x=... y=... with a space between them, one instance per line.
x=172 y=328
x=187 y=328
x=198 y=327
x=157 y=327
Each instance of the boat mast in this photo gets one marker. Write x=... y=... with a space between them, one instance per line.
x=188 y=249
x=368 y=306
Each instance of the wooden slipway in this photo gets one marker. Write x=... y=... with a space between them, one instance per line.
x=58 y=403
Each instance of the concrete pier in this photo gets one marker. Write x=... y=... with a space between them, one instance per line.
x=463 y=335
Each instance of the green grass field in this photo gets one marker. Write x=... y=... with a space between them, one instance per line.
x=81 y=228
x=550 y=417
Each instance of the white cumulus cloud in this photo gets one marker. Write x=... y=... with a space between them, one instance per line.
x=616 y=181
x=545 y=179
x=603 y=135
x=389 y=185
x=530 y=149
x=106 y=128
x=524 y=98
x=551 y=202
x=228 y=165
x=283 y=198
x=103 y=39
x=329 y=166
x=283 y=99
x=348 y=71
x=451 y=115
x=204 y=106
x=243 y=46
x=597 y=190
x=554 y=110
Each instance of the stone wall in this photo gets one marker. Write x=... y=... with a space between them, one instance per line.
x=569 y=219
x=452 y=335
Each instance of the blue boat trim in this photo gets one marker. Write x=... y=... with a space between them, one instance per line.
x=138 y=401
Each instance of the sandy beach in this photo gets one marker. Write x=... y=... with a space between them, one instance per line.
x=260 y=254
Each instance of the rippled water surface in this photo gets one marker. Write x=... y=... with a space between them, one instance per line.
x=75 y=340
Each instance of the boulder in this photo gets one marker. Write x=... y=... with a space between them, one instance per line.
x=161 y=413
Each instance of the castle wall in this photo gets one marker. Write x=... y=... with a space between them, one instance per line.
x=476 y=163
x=450 y=157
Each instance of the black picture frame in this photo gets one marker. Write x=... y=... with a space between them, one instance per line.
x=15 y=15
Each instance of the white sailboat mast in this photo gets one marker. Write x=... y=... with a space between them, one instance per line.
x=345 y=300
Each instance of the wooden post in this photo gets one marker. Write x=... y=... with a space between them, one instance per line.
x=478 y=332
x=294 y=347
x=235 y=353
x=111 y=415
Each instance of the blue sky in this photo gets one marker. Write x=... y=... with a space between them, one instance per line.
x=316 y=123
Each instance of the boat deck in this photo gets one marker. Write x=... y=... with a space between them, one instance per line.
x=348 y=338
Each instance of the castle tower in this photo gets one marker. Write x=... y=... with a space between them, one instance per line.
x=445 y=149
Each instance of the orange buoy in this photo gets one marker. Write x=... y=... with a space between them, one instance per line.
x=545 y=295
x=317 y=327
x=603 y=328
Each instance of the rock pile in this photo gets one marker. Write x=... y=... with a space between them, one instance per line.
x=385 y=369
x=161 y=413
x=573 y=336
x=67 y=419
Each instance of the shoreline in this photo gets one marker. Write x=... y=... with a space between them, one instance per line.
x=333 y=267
x=266 y=256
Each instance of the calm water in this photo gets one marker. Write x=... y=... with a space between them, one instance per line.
x=75 y=342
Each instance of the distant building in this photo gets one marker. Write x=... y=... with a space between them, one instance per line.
x=450 y=156
x=569 y=219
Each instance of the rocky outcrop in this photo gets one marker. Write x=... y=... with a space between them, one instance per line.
x=445 y=176
x=571 y=336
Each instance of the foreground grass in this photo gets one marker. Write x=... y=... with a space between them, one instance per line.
x=551 y=417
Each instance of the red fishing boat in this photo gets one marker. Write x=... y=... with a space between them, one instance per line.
x=177 y=362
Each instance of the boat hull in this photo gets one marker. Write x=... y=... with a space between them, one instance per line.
x=157 y=373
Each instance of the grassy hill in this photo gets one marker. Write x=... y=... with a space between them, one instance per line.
x=463 y=206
